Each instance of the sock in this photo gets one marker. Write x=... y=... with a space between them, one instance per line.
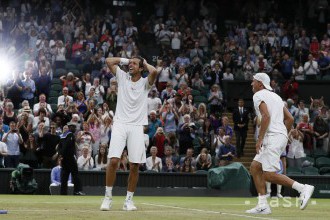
x=268 y=187
x=129 y=196
x=298 y=186
x=108 y=191
x=279 y=189
x=262 y=199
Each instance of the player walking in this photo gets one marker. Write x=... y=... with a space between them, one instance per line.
x=276 y=121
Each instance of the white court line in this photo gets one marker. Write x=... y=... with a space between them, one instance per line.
x=208 y=211
x=87 y=211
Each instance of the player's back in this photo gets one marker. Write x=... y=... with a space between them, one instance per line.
x=275 y=107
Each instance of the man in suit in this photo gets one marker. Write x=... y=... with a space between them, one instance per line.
x=67 y=150
x=241 y=122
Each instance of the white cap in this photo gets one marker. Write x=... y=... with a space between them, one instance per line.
x=51 y=43
x=264 y=79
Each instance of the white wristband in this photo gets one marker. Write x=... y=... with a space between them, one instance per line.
x=124 y=61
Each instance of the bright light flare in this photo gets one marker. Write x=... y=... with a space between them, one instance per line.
x=6 y=69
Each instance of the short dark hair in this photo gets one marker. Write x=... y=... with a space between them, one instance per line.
x=141 y=60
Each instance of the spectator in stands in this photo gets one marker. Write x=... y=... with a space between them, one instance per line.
x=196 y=52
x=225 y=124
x=218 y=140
x=186 y=134
x=69 y=82
x=99 y=91
x=153 y=124
x=154 y=103
x=300 y=111
x=60 y=51
x=197 y=82
x=3 y=127
x=55 y=175
x=12 y=139
x=248 y=68
x=85 y=161
x=287 y=67
x=14 y=87
x=168 y=93
x=181 y=77
x=41 y=117
x=227 y=75
x=311 y=68
x=203 y=160
x=298 y=71
x=321 y=133
x=164 y=75
x=296 y=149
x=106 y=128
x=111 y=97
x=94 y=124
x=42 y=104
x=43 y=82
x=101 y=159
x=80 y=103
x=227 y=152
x=215 y=99
x=65 y=99
x=47 y=141
x=314 y=47
x=86 y=84
x=153 y=162
x=31 y=152
x=8 y=114
x=170 y=161
x=290 y=89
x=159 y=141
x=187 y=166
x=28 y=87
x=123 y=162
x=324 y=65
x=3 y=153
x=169 y=116
x=84 y=138
x=182 y=60
x=307 y=129
x=315 y=107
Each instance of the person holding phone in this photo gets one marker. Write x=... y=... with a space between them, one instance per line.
x=12 y=139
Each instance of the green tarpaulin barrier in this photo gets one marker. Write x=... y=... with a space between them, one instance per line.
x=232 y=176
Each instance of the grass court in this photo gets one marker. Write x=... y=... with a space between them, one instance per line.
x=151 y=208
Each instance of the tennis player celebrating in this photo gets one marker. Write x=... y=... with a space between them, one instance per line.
x=276 y=121
x=130 y=116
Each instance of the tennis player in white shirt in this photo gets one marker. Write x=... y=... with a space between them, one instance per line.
x=130 y=117
x=276 y=122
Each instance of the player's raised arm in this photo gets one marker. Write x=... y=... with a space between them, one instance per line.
x=152 y=72
x=113 y=62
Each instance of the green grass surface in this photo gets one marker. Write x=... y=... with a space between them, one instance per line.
x=87 y=207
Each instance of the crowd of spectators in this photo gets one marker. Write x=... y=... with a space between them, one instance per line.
x=187 y=130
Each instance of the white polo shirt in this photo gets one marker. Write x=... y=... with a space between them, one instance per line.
x=132 y=104
x=275 y=108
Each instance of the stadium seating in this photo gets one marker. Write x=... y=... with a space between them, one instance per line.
x=293 y=171
x=310 y=171
x=56 y=87
x=195 y=92
x=53 y=93
x=322 y=162
x=325 y=171
x=319 y=153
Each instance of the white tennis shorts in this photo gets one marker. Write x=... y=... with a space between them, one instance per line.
x=131 y=136
x=270 y=153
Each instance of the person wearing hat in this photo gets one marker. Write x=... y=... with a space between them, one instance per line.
x=276 y=122
x=67 y=150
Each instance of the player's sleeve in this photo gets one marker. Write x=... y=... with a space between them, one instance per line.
x=257 y=100
x=120 y=74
